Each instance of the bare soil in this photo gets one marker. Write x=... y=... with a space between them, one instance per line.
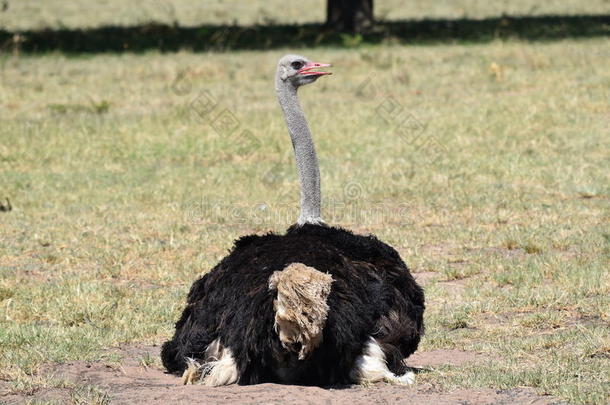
x=131 y=382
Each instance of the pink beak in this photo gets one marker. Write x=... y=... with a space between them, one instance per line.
x=307 y=69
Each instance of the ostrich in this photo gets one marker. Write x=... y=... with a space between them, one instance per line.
x=317 y=305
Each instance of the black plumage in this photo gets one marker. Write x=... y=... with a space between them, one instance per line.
x=372 y=294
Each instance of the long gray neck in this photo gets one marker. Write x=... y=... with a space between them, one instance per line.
x=304 y=152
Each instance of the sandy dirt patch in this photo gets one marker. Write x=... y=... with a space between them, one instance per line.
x=131 y=382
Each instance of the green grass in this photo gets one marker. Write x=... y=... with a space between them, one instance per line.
x=34 y=14
x=123 y=194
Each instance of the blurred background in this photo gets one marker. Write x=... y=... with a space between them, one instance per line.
x=80 y=25
x=36 y=14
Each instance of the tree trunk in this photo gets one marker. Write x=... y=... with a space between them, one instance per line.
x=349 y=15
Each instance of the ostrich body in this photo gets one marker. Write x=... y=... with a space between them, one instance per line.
x=317 y=305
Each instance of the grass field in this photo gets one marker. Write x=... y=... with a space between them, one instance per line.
x=486 y=166
x=34 y=14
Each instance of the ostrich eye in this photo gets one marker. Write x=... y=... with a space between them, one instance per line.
x=297 y=65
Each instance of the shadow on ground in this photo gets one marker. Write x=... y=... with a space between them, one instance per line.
x=230 y=37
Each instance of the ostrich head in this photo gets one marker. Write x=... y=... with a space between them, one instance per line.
x=298 y=70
